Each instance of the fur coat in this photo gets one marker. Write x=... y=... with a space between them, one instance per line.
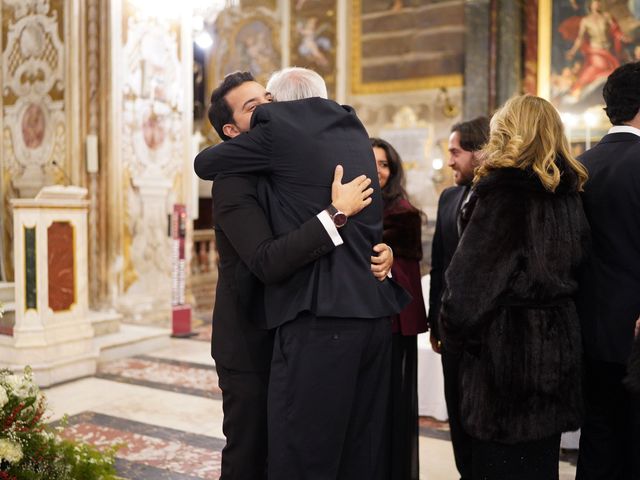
x=508 y=309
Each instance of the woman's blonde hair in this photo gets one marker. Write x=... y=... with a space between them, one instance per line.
x=527 y=132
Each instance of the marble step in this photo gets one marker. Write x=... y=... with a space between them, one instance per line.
x=131 y=340
x=105 y=323
x=7 y=292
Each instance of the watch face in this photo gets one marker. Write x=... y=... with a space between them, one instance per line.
x=339 y=219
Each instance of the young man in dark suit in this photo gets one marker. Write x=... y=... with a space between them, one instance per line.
x=465 y=141
x=609 y=296
x=250 y=256
x=328 y=389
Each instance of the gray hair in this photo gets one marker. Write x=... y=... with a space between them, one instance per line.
x=295 y=83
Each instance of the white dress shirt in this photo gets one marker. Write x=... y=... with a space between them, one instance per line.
x=624 y=129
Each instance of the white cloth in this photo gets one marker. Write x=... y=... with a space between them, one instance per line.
x=330 y=227
x=570 y=440
x=431 y=401
x=624 y=129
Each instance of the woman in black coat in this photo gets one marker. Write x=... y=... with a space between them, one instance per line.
x=508 y=309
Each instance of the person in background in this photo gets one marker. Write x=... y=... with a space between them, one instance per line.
x=402 y=232
x=508 y=310
x=465 y=143
x=609 y=295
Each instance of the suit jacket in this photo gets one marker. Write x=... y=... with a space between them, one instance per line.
x=445 y=242
x=249 y=256
x=609 y=297
x=298 y=144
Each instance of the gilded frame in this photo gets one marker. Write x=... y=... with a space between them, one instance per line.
x=358 y=86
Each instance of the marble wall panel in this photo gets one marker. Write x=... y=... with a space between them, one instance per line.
x=31 y=289
x=61 y=266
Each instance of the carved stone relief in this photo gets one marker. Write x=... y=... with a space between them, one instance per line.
x=152 y=156
x=33 y=70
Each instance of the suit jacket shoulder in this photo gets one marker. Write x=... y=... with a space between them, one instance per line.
x=608 y=300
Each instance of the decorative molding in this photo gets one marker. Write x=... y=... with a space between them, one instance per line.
x=93 y=128
x=33 y=68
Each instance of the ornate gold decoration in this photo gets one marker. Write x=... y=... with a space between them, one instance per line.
x=544 y=48
x=129 y=274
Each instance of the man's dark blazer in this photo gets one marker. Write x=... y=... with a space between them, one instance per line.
x=298 y=145
x=609 y=296
x=249 y=256
x=445 y=242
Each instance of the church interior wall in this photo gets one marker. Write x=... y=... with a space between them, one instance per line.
x=112 y=95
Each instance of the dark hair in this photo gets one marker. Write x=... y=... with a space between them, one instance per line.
x=622 y=93
x=473 y=134
x=219 y=111
x=394 y=189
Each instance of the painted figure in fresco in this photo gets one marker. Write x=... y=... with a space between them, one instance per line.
x=598 y=34
x=311 y=43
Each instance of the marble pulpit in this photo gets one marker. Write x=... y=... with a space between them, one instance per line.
x=52 y=331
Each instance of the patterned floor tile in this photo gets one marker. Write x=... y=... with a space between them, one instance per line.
x=432 y=428
x=176 y=376
x=150 y=452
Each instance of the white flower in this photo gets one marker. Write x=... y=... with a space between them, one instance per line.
x=4 y=398
x=10 y=451
x=19 y=386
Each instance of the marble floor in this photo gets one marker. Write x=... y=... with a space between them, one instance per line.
x=165 y=409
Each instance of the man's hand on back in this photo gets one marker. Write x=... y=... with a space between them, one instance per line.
x=381 y=262
x=350 y=197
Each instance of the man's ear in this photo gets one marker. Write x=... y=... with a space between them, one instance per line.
x=230 y=130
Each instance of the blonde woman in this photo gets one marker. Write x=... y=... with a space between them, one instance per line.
x=508 y=309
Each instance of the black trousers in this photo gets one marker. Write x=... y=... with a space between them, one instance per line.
x=328 y=399
x=404 y=407
x=536 y=460
x=610 y=436
x=460 y=440
x=244 y=404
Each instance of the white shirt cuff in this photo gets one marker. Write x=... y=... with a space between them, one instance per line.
x=330 y=227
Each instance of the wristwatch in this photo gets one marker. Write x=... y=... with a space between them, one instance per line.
x=339 y=218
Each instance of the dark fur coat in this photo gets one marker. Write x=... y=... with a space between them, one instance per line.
x=508 y=308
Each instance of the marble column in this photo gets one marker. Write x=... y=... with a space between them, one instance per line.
x=509 y=60
x=477 y=59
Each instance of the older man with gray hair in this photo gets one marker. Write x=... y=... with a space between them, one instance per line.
x=329 y=383
x=295 y=83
